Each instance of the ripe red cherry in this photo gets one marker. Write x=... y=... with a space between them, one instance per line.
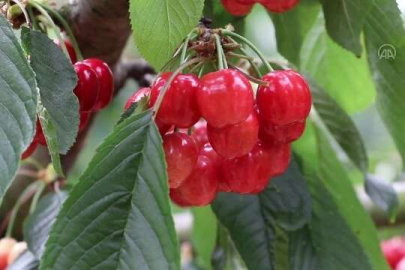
x=200 y=187
x=179 y=107
x=178 y=199
x=394 y=250
x=209 y=152
x=84 y=120
x=181 y=153
x=270 y=133
x=69 y=47
x=6 y=245
x=225 y=97
x=39 y=135
x=30 y=150
x=200 y=133
x=235 y=140
x=243 y=174
x=279 y=6
x=87 y=88
x=286 y=100
x=137 y=96
x=105 y=79
x=236 y=8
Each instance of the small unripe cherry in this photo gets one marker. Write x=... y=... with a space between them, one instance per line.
x=225 y=97
x=286 y=100
x=235 y=140
x=200 y=187
x=87 y=88
x=179 y=106
x=181 y=153
x=105 y=79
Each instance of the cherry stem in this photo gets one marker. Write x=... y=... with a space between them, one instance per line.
x=242 y=56
x=33 y=18
x=37 y=196
x=200 y=73
x=251 y=78
x=189 y=37
x=25 y=195
x=250 y=44
x=219 y=52
x=252 y=63
x=196 y=67
x=24 y=10
x=67 y=29
x=52 y=24
x=171 y=79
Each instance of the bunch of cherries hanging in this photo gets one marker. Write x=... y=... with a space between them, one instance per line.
x=218 y=134
x=243 y=7
x=94 y=90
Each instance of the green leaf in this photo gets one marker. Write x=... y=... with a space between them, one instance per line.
x=25 y=261
x=56 y=79
x=385 y=35
x=345 y=20
x=18 y=98
x=340 y=125
x=118 y=216
x=160 y=25
x=38 y=224
x=333 y=180
x=292 y=27
x=204 y=234
x=302 y=253
x=52 y=143
x=251 y=219
x=346 y=78
x=382 y=194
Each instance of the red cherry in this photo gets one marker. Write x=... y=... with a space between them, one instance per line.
x=394 y=250
x=178 y=199
x=200 y=133
x=84 y=120
x=243 y=174
x=209 y=152
x=236 y=8
x=200 y=187
x=105 y=79
x=39 y=135
x=179 y=107
x=270 y=133
x=225 y=97
x=235 y=140
x=6 y=245
x=69 y=47
x=30 y=150
x=87 y=88
x=286 y=100
x=181 y=153
x=137 y=96
x=279 y=6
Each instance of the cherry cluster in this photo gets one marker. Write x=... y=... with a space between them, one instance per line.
x=95 y=89
x=243 y=7
x=394 y=252
x=225 y=140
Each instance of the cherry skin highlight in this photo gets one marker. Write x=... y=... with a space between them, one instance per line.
x=200 y=187
x=181 y=153
x=179 y=106
x=87 y=88
x=105 y=79
x=225 y=97
x=235 y=140
x=286 y=100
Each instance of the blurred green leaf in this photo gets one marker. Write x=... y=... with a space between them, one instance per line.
x=382 y=194
x=56 y=79
x=204 y=234
x=18 y=98
x=385 y=36
x=302 y=252
x=346 y=78
x=345 y=20
x=118 y=216
x=160 y=25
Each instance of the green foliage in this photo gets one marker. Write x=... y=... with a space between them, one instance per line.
x=160 y=25
x=385 y=26
x=345 y=20
x=122 y=199
x=18 y=98
x=382 y=194
x=56 y=79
